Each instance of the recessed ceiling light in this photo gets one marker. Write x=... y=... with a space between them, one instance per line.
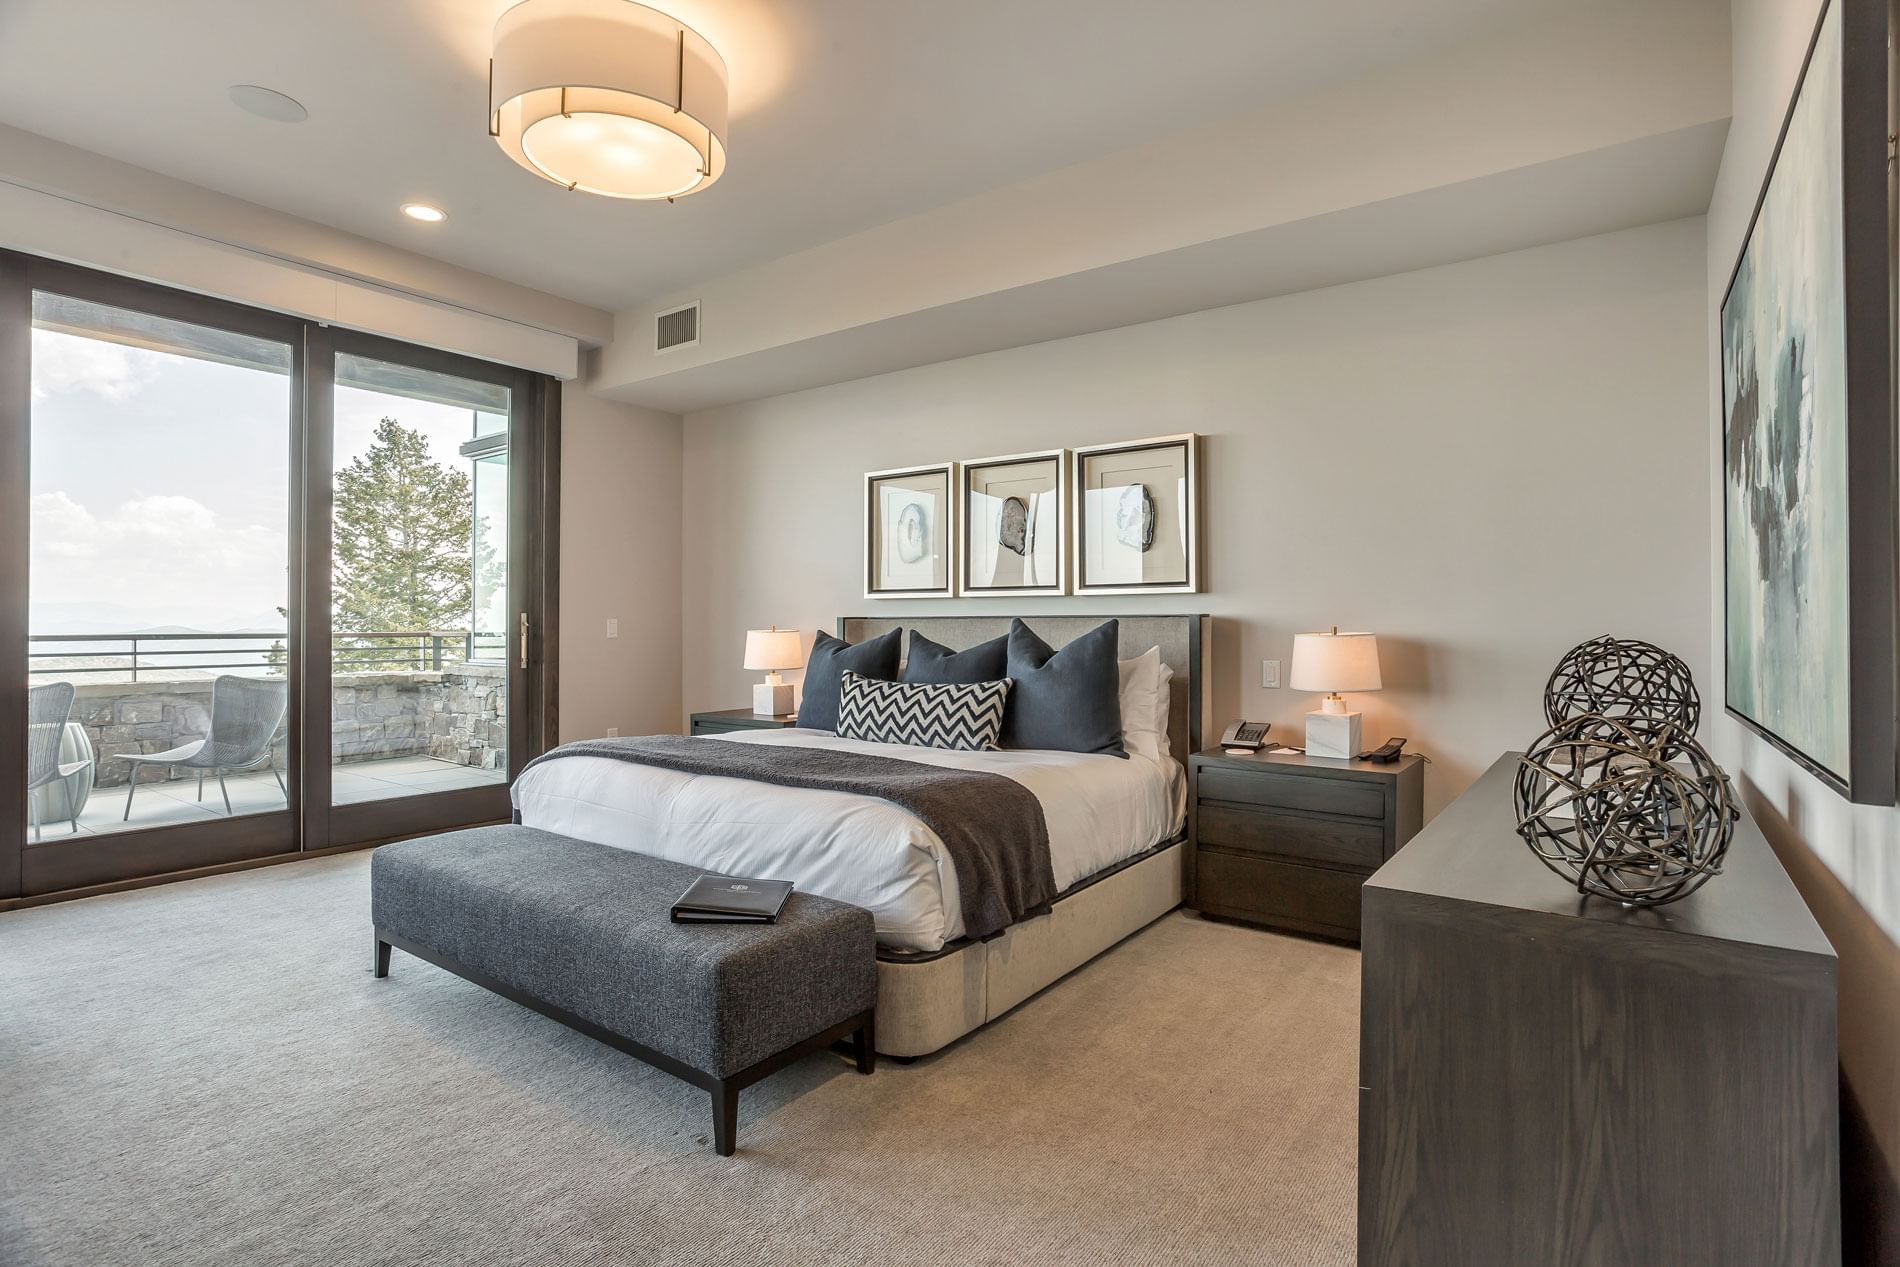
x=267 y=103
x=424 y=212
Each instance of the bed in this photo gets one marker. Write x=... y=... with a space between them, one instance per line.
x=1117 y=844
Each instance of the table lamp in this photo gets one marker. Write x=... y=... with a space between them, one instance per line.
x=1334 y=662
x=773 y=649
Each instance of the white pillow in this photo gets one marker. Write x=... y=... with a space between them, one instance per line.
x=1144 y=696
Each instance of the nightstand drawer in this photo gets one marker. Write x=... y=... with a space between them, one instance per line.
x=1326 y=840
x=1292 y=791
x=727 y=720
x=1312 y=899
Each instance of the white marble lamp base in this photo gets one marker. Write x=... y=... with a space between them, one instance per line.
x=1332 y=735
x=772 y=699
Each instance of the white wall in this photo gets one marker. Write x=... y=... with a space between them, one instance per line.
x=620 y=559
x=70 y=204
x=1509 y=140
x=1845 y=858
x=1485 y=463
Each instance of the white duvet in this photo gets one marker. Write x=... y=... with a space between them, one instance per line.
x=858 y=849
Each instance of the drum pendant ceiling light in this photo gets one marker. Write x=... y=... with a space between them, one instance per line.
x=608 y=97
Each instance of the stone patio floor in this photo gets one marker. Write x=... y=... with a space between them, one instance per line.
x=176 y=801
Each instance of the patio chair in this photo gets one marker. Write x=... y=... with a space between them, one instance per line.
x=48 y=709
x=245 y=712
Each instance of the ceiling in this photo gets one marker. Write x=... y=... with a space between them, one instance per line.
x=846 y=113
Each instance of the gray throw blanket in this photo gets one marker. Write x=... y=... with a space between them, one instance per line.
x=992 y=826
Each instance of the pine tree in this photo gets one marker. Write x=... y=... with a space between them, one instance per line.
x=402 y=536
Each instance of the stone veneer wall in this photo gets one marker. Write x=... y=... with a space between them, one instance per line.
x=138 y=717
x=457 y=714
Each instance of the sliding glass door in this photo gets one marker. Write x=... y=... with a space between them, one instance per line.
x=159 y=433
x=265 y=586
x=424 y=675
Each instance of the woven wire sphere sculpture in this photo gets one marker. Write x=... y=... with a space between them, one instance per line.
x=1639 y=818
x=1633 y=682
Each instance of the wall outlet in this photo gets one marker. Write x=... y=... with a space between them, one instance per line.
x=613 y=627
x=613 y=732
x=1270 y=674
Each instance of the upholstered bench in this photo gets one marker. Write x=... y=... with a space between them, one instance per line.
x=583 y=933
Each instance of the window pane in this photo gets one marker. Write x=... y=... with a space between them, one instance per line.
x=491 y=558
x=160 y=485
x=419 y=606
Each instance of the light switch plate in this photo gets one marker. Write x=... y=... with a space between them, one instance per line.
x=1270 y=674
x=613 y=627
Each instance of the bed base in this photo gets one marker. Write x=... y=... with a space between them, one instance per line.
x=925 y=1003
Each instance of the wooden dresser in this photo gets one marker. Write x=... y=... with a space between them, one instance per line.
x=1548 y=1078
x=1285 y=840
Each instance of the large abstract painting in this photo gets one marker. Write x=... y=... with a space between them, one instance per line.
x=1785 y=400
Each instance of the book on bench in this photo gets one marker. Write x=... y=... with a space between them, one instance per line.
x=725 y=899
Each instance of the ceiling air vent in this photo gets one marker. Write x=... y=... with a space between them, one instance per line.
x=678 y=328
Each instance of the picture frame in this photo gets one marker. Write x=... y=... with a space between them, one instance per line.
x=1807 y=380
x=1015 y=511
x=910 y=532
x=1137 y=513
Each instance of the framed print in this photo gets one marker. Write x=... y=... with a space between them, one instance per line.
x=910 y=519
x=1015 y=530
x=1137 y=517
x=1808 y=450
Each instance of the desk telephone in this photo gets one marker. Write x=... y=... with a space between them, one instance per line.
x=1250 y=735
x=1386 y=753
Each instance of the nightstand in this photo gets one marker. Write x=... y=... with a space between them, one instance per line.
x=1285 y=840
x=740 y=719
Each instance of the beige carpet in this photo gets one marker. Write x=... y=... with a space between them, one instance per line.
x=207 y=1073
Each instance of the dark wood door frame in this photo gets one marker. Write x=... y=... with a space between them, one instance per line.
x=310 y=605
x=310 y=823
x=16 y=387
x=541 y=581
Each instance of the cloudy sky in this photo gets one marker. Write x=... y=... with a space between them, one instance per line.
x=161 y=485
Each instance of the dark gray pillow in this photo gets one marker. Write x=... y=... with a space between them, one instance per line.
x=1069 y=700
x=875 y=658
x=933 y=662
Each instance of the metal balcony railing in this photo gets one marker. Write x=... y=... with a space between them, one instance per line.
x=366 y=651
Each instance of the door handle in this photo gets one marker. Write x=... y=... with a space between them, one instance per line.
x=524 y=640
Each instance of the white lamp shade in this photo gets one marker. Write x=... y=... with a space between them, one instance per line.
x=773 y=649
x=1335 y=662
x=608 y=97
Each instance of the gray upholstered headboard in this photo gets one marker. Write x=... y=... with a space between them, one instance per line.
x=1182 y=639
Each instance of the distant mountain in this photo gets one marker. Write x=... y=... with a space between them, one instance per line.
x=268 y=622
x=114 y=618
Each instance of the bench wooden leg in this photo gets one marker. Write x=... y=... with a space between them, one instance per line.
x=725 y=1107
x=382 y=957
x=867 y=1045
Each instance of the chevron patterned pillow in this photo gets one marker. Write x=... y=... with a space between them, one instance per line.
x=967 y=716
